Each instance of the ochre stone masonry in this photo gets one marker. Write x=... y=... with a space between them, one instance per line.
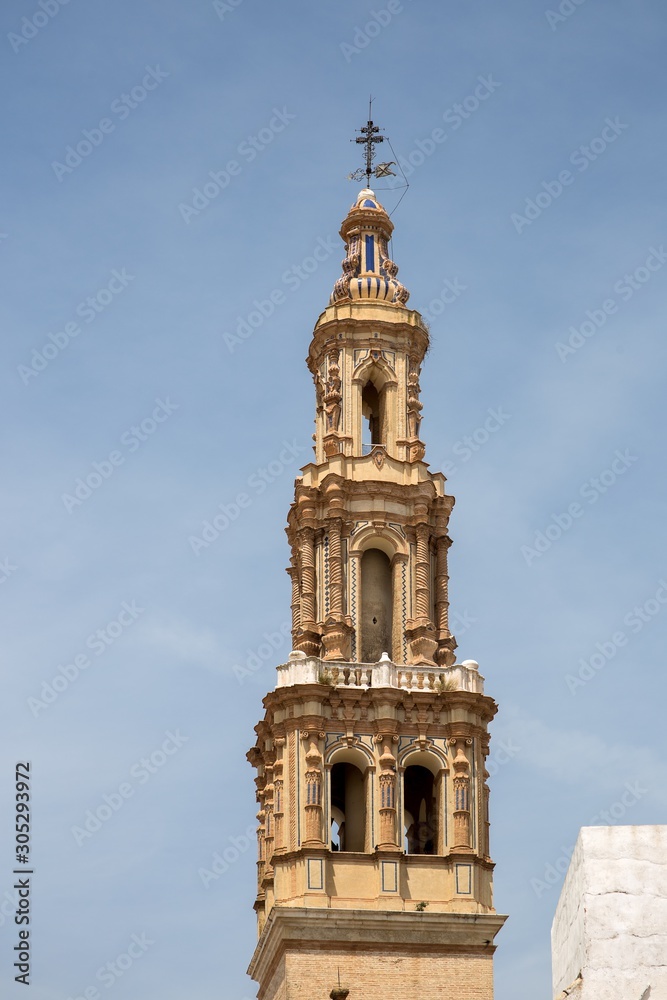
x=371 y=781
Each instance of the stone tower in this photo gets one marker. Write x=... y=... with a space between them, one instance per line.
x=373 y=803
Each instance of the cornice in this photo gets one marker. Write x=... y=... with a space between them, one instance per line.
x=297 y=927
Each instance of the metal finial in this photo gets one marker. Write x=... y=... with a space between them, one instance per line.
x=369 y=137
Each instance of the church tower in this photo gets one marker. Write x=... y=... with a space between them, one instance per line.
x=374 y=870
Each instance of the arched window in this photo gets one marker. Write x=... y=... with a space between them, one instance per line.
x=376 y=606
x=348 y=808
x=420 y=811
x=337 y=828
x=372 y=409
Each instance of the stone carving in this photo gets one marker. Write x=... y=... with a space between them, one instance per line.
x=401 y=294
x=461 y=799
x=333 y=395
x=416 y=449
x=387 y=780
x=313 y=806
x=350 y=268
x=415 y=406
x=378 y=456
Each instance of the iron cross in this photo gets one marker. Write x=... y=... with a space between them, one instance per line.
x=369 y=137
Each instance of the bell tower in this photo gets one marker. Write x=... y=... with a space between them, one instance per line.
x=373 y=800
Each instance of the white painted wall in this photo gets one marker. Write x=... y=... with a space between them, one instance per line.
x=611 y=918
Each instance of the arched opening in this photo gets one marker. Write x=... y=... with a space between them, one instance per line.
x=420 y=811
x=337 y=828
x=376 y=606
x=372 y=410
x=348 y=808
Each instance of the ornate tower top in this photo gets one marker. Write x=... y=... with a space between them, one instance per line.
x=368 y=273
x=371 y=782
x=369 y=496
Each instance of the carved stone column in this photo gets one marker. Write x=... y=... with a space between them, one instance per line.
x=313 y=806
x=420 y=631
x=335 y=566
x=485 y=817
x=308 y=639
x=268 y=823
x=387 y=779
x=278 y=804
x=444 y=655
x=423 y=573
x=461 y=799
x=307 y=557
x=261 y=848
x=337 y=636
x=295 y=603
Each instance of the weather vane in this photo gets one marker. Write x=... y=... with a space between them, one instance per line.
x=369 y=137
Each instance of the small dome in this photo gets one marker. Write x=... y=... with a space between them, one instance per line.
x=366 y=199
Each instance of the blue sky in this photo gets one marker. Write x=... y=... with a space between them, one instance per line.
x=141 y=389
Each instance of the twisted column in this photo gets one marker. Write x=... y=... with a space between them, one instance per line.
x=308 y=636
x=420 y=630
x=296 y=601
x=442 y=586
x=335 y=567
x=423 y=573
x=444 y=655
x=337 y=634
x=307 y=557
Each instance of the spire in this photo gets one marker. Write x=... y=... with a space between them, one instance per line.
x=368 y=271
